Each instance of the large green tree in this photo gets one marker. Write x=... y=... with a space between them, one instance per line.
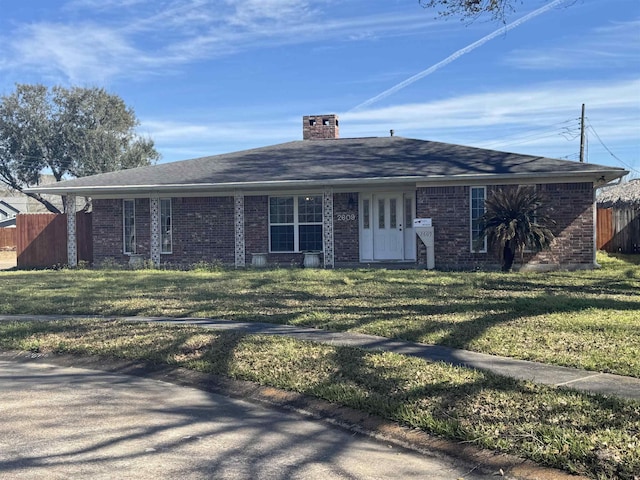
x=69 y=132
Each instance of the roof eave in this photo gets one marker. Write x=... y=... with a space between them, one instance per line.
x=598 y=177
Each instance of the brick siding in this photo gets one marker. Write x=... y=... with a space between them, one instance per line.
x=203 y=229
x=108 y=242
x=346 y=236
x=570 y=205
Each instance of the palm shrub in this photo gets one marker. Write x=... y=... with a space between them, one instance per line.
x=512 y=221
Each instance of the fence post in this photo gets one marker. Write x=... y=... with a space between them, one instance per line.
x=72 y=242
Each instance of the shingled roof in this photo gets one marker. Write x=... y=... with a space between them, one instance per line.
x=624 y=195
x=346 y=161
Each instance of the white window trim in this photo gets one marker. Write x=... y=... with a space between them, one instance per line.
x=124 y=229
x=471 y=237
x=170 y=251
x=296 y=223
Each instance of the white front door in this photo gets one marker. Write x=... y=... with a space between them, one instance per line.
x=387 y=218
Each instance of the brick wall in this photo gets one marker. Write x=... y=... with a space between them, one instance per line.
x=143 y=227
x=256 y=225
x=203 y=230
x=448 y=207
x=107 y=231
x=569 y=204
x=346 y=237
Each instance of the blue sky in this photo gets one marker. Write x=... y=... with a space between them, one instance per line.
x=207 y=77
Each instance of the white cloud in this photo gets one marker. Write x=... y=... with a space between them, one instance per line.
x=166 y=35
x=82 y=52
x=538 y=120
x=616 y=45
x=527 y=120
x=533 y=104
x=260 y=132
x=251 y=12
x=101 y=4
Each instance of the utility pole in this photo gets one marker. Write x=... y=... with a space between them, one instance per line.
x=582 y=135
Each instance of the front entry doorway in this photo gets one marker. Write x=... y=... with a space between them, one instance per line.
x=388 y=239
x=386 y=226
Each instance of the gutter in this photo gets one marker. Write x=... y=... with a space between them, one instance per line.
x=595 y=176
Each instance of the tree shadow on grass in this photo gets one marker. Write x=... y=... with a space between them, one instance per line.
x=449 y=309
x=487 y=409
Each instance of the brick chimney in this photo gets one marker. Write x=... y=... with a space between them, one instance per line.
x=317 y=127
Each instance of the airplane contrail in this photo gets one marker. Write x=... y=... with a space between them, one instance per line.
x=457 y=55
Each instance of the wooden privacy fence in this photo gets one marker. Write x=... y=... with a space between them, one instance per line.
x=41 y=239
x=8 y=237
x=618 y=230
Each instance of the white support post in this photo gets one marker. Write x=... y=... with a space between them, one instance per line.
x=154 y=209
x=239 y=229
x=327 y=228
x=72 y=239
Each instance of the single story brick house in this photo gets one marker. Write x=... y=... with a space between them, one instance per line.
x=353 y=200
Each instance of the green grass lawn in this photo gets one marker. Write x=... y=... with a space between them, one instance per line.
x=581 y=433
x=588 y=319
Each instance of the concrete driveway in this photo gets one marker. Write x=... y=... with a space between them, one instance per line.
x=60 y=422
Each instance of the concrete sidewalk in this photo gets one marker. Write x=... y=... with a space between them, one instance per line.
x=594 y=382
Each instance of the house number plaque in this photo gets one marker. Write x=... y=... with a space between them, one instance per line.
x=345 y=217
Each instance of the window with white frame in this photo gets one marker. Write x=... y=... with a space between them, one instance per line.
x=366 y=214
x=129 y=226
x=166 y=240
x=478 y=196
x=295 y=223
x=408 y=212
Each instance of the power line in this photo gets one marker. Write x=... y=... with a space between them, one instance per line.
x=608 y=149
x=531 y=134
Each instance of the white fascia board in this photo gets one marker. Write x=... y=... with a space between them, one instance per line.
x=212 y=188
x=119 y=191
x=596 y=177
